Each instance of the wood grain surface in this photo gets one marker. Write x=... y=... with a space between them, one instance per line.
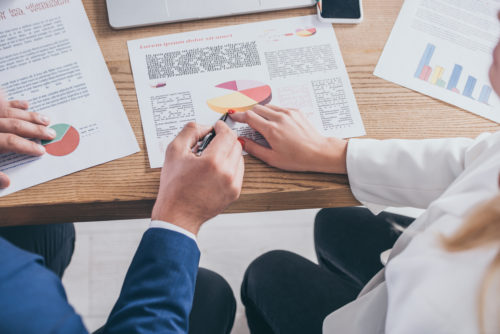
x=126 y=188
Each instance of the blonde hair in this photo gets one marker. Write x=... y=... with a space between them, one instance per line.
x=481 y=229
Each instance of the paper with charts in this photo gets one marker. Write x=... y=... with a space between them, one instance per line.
x=50 y=57
x=443 y=48
x=198 y=75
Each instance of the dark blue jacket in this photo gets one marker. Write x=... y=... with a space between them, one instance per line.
x=156 y=296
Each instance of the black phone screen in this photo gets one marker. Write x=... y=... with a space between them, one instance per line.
x=341 y=9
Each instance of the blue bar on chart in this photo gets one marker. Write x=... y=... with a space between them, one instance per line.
x=435 y=76
x=423 y=70
x=484 y=97
x=469 y=86
x=455 y=76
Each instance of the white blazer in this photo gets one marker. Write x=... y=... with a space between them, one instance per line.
x=423 y=288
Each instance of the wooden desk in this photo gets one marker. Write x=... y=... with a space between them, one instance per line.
x=126 y=188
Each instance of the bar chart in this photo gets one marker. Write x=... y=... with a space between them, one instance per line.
x=435 y=76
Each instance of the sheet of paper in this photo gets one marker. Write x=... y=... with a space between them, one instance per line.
x=50 y=57
x=199 y=75
x=443 y=48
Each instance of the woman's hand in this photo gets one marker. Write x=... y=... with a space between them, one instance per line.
x=17 y=124
x=295 y=143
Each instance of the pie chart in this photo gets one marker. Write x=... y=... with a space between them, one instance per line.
x=305 y=32
x=246 y=94
x=66 y=140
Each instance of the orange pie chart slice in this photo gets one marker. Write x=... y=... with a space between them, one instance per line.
x=306 y=32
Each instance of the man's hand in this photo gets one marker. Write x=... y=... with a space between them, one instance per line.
x=17 y=124
x=195 y=188
x=295 y=143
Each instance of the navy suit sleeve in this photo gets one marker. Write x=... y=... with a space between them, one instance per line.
x=32 y=298
x=158 y=291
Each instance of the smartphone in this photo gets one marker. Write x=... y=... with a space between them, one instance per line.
x=340 y=11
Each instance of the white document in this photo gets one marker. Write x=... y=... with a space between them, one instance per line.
x=50 y=57
x=198 y=76
x=443 y=48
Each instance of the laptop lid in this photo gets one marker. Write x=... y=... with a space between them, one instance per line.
x=134 y=13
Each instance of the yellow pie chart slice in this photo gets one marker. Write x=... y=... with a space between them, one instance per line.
x=235 y=101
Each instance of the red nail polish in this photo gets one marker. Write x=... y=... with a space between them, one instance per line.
x=242 y=142
x=230 y=111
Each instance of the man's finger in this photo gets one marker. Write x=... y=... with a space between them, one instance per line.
x=4 y=181
x=4 y=105
x=235 y=154
x=190 y=135
x=19 y=104
x=240 y=171
x=12 y=143
x=260 y=152
x=224 y=140
x=237 y=165
x=24 y=115
x=26 y=129
x=253 y=120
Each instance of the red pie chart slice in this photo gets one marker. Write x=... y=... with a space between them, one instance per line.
x=261 y=94
x=66 y=141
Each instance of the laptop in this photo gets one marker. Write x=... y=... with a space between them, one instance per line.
x=136 y=13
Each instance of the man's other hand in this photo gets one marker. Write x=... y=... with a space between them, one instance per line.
x=17 y=124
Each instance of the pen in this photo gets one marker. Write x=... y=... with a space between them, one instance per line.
x=208 y=138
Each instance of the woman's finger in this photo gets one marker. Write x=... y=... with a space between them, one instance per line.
x=24 y=115
x=277 y=108
x=19 y=104
x=15 y=144
x=4 y=181
x=266 y=112
x=255 y=121
x=26 y=129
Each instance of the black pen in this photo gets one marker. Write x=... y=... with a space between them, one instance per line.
x=209 y=137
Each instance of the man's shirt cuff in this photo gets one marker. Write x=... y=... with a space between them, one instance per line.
x=172 y=227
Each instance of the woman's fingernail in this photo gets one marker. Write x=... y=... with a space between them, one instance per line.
x=44 y=119
x=230 y=111
x=25 y=104
x=242 y=142
x=51 y=132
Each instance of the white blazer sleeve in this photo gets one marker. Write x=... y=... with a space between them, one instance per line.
x=407 y=172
